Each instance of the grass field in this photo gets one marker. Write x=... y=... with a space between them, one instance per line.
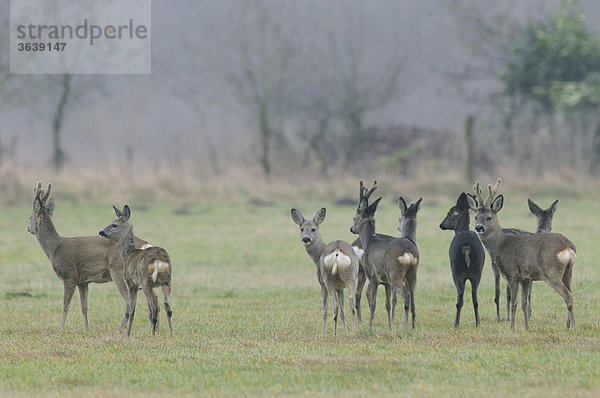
x=247 y=312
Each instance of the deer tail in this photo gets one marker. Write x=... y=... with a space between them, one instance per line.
x=157 y=266
x=467 y=252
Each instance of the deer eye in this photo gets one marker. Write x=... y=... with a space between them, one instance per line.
x=489 y=218
x=302 y=229
x=114 y=225
x=313 y=229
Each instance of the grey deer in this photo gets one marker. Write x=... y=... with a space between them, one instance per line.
x=466 y=253
x=544 y=224
x=524 y=258
x=77 y=261
x=387 y=261
x=144 y=269
x=362 y=278
x=337 y=266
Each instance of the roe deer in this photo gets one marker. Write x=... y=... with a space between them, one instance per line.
x=337 y=266
x=77 y=261
x=144 y=269
x=544 y=224
x=524 y=258
x=386 y=261
x=467 y=256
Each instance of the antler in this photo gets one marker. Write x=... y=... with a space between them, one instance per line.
x=46 y=194
x=491 y=193
x=363 y=193
x=37 y=190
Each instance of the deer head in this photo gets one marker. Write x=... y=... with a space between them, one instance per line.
x=451 y=220
x=309 y=229
x=364 y=210
x=486 y=219
x=119 y=228
x=42 y=207
x=407 y=213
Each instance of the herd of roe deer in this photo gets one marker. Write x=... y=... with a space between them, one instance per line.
x=521 y=257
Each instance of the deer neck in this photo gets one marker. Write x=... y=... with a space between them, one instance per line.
x=126 y=244
x=409 y=229
x=493 y=241
x=366 y=230
x=316 y=249
x=543 y=226
x=47 y=236
x=463 y=222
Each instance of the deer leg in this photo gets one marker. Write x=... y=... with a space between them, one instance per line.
x=529 y=300
x=566 y=294
x=372 y=299
x=526 y=285
x=474 y=287
x=460 y=291
x=567 y=282
x=496 y=289
x=514 y=291
x=83 y=296
x=167 y=292
x=359 y=288
x=388 y=305
x=335 y=307
x=508 y=301
x=131 y=307
x=118 y=278
x=394 y=302
x=351 y=285
x=67 y=296
x=412 y=283
x=340 y=294
x=152 y=305
x=324 y=295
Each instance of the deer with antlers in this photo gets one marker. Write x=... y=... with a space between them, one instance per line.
x=77 y=261
x=387 y=261
x=522 y=259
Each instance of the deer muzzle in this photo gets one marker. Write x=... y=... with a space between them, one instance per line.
x=480 y=229
x=306 y=240
x=101 y=233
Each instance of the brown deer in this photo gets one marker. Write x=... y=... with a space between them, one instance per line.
x=144 y=269
x=337 y=266
x=77 y=261
x=522 y=259
x=386 y=261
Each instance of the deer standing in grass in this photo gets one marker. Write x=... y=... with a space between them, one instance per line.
x=144 y=269
x=77 y=261
x=467 y=256
x=337 y=266
x=387 y=261
x=544 y=224
x=522 y=259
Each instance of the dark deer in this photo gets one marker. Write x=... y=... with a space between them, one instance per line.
x=77 y=261
x=144 y=269
x=467 y=256
x=522 y=259
x=337 y=266
x=386 y=261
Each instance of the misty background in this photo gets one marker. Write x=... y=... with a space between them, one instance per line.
x=307 y=86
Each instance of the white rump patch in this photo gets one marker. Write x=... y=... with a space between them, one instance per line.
x=359 y=252
x=147 y=245
x=566 y=256
x=407 y=259
x=336 y=259
x=158 y=266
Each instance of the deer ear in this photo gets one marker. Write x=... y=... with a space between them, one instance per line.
x=402 y=205
x=497 y=203
x=126 y=213
x=472 y=202
x=37 y=205
x=297 y=217
x=418 y=205
x=50 y=206
x=362 y=205
x=553 y=207
x=535 y=209
x=117 y=212
x=320 y=216
x=462 y=201
x=373 y=207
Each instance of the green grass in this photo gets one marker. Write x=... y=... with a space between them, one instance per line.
x=247 y=313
